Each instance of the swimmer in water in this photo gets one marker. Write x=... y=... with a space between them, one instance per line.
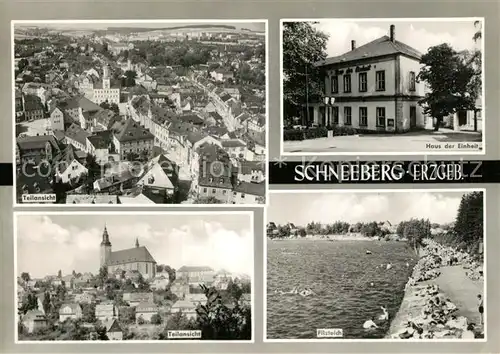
x=385 y=315
x=369 y=324
x=389 y=266
x=306 y=292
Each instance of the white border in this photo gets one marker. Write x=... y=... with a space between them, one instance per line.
x=379 y=340
x=134 y=213
x=371 y=153
x=13 y=23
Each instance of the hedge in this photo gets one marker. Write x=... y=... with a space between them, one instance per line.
x=314 y=133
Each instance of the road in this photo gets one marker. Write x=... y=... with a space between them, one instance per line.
x=422 y=142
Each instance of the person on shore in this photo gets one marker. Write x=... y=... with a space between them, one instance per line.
x=469 y=333
x=480 y=307
x=369 y=324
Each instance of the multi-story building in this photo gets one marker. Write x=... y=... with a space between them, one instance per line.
x=131 y=138
x=105 y=91
x=374 y=88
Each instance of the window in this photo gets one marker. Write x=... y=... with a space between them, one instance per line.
x=412 y=81
x=347 y=115
x=347 y=83
x=223 y=191
x=213 y=191
x=335 y=84
x=363 y=82
x=381 y=116
x=380 y=80
x=242 y=195
x=363 y=116
x=335 y=112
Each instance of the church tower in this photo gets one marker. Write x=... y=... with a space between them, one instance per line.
x=105 y=247
x=136 y=243
x=106 y=82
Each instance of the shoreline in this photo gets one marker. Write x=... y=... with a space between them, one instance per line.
x=347 y=237
x=418 y=291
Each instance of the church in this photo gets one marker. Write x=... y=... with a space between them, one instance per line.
x=137 y=258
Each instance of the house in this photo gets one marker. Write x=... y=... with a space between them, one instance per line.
x=72 y=311
x=159 y=283
x=85 y=297
x=159 y=176
x=374 y=87
x=105 y=311
x=180 y=288
x=33 y=108
x=106 y=91
x=250 y=171
x=249 y=193
x=99 y=145
x=257 y=123
x=34 y=149
x=104 y=119
x=131 y=138
x=145 y=310
x=69 y=168
x=77 y=137
x=113 y=329
x=233 y=92
x=56 y=117
x=134 y=299
x=34 y=320
x=221 y=74
x=186 y=307
x=236 y=148
x=188 y=272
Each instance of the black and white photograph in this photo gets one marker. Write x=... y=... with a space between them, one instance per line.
x=392 y=86
x=381 y=265
x=140 y=112
x=134 y=277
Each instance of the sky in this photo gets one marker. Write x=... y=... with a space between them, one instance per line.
x=328 y=207
x=255 y=26
x=418 y=34
x=47 y=243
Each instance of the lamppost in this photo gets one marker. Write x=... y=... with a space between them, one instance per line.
x=329 y=101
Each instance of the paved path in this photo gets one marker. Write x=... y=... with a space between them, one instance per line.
x=423 y=142
x=461 y=290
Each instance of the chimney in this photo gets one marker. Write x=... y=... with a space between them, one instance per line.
x=392 y=33
x=353 y=45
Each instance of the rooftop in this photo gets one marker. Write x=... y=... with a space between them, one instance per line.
x=130 y=130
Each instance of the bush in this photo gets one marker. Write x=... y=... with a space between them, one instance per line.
x=313 y=133
x=293 y=134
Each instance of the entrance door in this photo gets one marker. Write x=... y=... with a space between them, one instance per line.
x=322 y=116
x=462 y=118
x=413 y=117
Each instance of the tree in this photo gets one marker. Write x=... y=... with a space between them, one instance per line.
x=47 y=303
x=219 y=322
x=207 y=200
x=103 y=275
x=129 y=79
x=59 y=274
x=234 y=290
x=451 y=82
x=156 y=319
x=303 y=46
x=414 y=230
x=25 y=277
x=468 y=229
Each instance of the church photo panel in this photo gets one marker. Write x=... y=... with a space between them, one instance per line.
x=87 y=276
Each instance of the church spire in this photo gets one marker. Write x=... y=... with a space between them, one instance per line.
x=105 y=237
x=136 y=242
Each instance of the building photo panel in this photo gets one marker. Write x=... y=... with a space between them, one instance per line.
x=134 y=277
x=382 y=86
x=405 y=265
x=140 y=112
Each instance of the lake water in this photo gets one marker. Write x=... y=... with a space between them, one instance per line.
x=340 y=273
